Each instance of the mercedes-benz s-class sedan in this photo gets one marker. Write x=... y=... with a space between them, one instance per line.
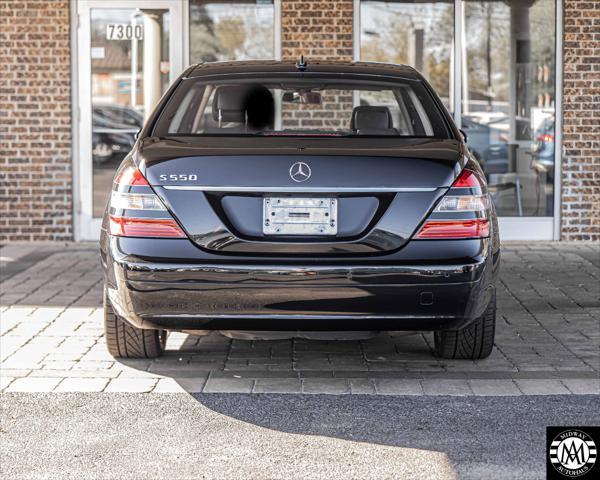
x=300 y=197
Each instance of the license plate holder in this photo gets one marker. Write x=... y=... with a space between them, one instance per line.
x=300 y=216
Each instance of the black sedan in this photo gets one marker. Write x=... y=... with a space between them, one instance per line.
x=280 y=196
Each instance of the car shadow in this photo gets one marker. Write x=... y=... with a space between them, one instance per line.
x=479 y=435
x=461 y=436
x=464 y=437
x=215 y=354
x=288 y=365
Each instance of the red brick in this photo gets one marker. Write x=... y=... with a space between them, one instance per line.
x=580 y=206
x=318 y=30
x=36 y=178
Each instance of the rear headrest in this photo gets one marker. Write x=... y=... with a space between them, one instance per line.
x=228 y=102
x=367 y=117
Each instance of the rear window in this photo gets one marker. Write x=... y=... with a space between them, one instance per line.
x=301 y=107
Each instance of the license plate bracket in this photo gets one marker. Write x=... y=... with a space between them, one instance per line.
x=300 y=216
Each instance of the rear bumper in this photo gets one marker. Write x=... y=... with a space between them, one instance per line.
x=165 y=292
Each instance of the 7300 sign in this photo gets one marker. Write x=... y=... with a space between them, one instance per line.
x=124 y=31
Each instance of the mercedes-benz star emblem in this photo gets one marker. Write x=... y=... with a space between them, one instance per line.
x=300 y=172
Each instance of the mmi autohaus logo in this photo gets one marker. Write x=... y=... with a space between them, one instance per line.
x=572 y=452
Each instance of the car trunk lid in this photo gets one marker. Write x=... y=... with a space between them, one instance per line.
x=217 y=188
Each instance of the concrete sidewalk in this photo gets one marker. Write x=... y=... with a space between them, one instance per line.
x=547 y=338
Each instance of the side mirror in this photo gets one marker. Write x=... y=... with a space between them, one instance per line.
x=136 y=135
x=464 y=134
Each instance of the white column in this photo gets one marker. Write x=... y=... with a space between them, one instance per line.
x=134 y=65
x=416 y=48
x=151 y=56
x=457 y=62
x=464 y=73
x=520 y=75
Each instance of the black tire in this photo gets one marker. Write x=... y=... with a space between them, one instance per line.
x=126 y=341
x=475 y=341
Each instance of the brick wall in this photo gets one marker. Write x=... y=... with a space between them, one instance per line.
x=580 y=210
x=316 y=29
x=35 y=120
x=334 y=112
x=35 y=116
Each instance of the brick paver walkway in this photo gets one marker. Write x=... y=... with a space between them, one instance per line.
x=547 y=340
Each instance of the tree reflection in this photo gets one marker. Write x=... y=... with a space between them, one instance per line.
x=232 y=31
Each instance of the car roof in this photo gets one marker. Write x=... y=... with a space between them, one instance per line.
x=316 y=66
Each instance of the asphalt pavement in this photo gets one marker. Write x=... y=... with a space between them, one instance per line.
x=236 y=436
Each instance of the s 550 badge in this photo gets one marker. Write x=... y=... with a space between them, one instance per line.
x=182 y=177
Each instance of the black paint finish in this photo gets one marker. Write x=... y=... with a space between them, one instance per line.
x=173 y=284
x=265 y=161
x=373 y=275
x=396 y=222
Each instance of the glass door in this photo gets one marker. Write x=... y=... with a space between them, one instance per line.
x=509 y=105
x=129 y=53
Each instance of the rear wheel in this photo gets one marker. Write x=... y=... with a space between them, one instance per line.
x=475 y=341
x=126 y=341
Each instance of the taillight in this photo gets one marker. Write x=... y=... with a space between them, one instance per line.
x=144 y=227
x=478 y=228
x=131 y=176
x=135 y=201
x=468 y=179
x=136 y=211
x=462 y=213
x=463 y=203
x=545 y=138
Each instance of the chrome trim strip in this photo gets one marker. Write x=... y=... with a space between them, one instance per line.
x=295 y=189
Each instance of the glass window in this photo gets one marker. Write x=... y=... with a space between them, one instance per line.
x=508 y=100
x=231 y=30
x=319 y=106
x=413 y=33
x=130 y=71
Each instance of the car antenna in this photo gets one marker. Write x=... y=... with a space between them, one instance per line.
x=302 y=65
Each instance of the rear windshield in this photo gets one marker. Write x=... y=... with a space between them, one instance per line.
x=301 y=107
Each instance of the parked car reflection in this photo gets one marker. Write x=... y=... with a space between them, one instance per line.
x=519 y=167
x=113 y=131
x=543 y=146
x=489 y=139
